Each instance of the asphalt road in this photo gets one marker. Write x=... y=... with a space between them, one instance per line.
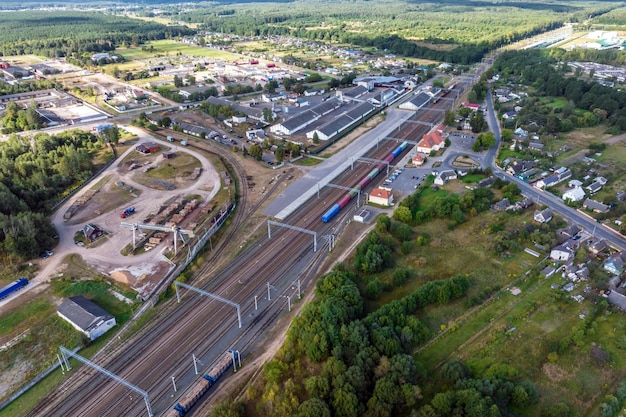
x=598 y=230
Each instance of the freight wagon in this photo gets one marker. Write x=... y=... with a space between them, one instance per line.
x=343 y=201
x=202 y=386
x=12 y=287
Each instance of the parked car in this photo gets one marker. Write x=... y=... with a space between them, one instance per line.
x=183 y=142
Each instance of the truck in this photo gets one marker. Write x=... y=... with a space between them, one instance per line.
x=14 y=286
x=127 y=212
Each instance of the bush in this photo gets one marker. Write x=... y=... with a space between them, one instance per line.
x=400 y=276
x=373 y=289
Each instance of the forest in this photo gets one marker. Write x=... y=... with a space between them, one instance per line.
x=547 y=72
x=35 y=173
x=74 y=34
x=451 y=31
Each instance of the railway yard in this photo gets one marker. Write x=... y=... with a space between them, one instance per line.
x=264 y=279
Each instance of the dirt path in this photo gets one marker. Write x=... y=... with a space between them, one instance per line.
x=614 y=139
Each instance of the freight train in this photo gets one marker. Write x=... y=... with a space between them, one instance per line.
x=12 y=287
x=332 y=212
x=206 y=382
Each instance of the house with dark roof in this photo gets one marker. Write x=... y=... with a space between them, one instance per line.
x=547 y=181
x=445 y=176
x=561 y=253
x=524 y=204
x=502 y=205
x=595 y=206
x=86 y=316
x=598 y=246
x=543 y=216
x=594 y=187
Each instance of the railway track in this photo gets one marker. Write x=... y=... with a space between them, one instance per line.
x=204 y=327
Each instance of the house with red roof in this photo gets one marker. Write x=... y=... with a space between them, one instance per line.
x=432 y=141
x=381 y=196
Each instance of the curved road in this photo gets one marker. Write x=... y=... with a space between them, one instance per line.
x=614 y=238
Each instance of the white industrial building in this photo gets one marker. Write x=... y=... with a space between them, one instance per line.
x=302 y=120
x=416 y=103
x=341 y=122
x=86 y=316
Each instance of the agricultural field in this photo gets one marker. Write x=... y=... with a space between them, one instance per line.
x=168 y=48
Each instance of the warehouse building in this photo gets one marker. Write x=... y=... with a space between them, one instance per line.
x=86 y=316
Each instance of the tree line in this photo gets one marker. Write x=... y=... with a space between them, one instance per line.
x=75 y=34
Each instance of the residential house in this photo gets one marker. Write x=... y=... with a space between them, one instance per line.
x=567 y=232
x=563 y=173
x=574 y=194
x=502 y=205
x=614 y=264
x=445 y=176
x=521 y=132
x=524 y=204
x=92 y=232
x=598 y=246
x=313 y=92
x=147 y=147
x=535 y=146
x=621 y=196
x=547 y=182
x=595 y=206
x=574 y=183
x=561 y=253
x=594 y=187
x=487 y=182
x=517 y=167
x=86 y=316
x=432 y=141
x=543 y=216
x=381 y=196
x=510 y=115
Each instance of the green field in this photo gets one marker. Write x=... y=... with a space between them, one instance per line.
x=38 y=332
x=171 y=48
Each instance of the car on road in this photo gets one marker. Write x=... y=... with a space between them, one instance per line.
x=127 y=212
x=46 y=254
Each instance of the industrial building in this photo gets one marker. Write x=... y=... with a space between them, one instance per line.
x=86 y=316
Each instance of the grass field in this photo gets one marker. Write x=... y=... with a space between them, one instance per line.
x=171 y=48
x=38 y=331
x=537 y=335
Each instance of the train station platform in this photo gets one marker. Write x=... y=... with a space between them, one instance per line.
x=298 y=193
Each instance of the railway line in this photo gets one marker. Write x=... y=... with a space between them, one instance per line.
x=207 y=328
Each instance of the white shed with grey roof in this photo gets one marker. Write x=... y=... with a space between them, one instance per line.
x=86 y=316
